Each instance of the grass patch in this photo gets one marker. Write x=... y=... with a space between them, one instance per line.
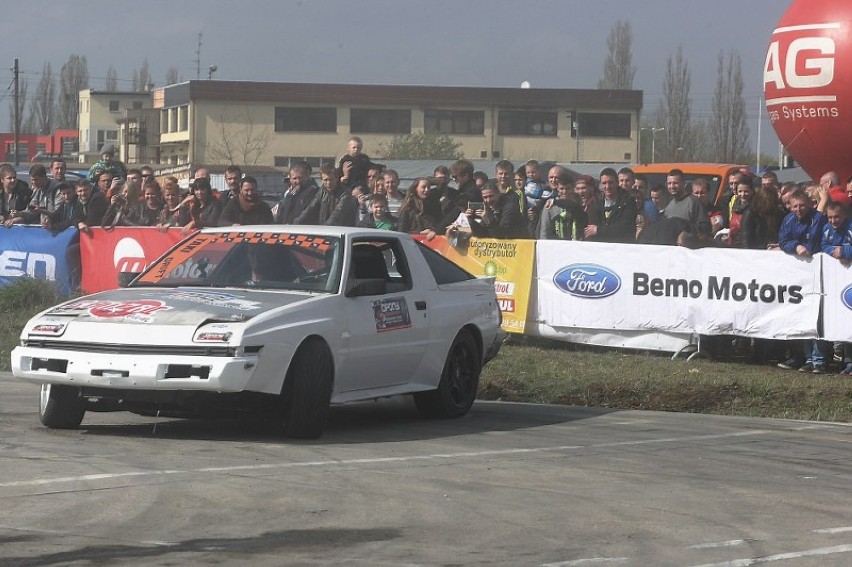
x=18 y=302
x=543 y=371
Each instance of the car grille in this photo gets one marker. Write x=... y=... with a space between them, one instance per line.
x=107 y=348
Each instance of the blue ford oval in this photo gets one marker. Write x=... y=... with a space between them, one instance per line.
x=587 y=280
x=846 y=296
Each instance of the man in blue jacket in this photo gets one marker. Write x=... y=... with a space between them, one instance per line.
x=801 y=235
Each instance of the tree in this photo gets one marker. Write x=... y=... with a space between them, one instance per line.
x=618 y=71
x=729 y=129
x=73 y=78
x=43 y=106
x=142 y=78
x=420 y=145
x=240 y=141
x=675 y=143
x=111 y=83
x=172 y=76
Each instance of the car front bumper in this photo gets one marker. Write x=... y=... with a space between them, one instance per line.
x=133 y=371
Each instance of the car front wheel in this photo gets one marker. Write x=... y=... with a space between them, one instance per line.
x=60 y=407
x=459 y=381
x=307 y=390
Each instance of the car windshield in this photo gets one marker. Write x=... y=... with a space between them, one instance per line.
x=287 y=261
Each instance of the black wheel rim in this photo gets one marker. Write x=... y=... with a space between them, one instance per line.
x=461 y=374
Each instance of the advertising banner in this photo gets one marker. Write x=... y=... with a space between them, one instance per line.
x=837 y=303
x=509 y=261
x=673 y=289
x=107 y=252
x=34 y=252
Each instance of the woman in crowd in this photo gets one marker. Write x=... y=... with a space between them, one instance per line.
x=175 y=212
x=417 y=213
x=147 y=213
x=122 y=207
x=761 y=220
x=204 y=208
x=740 y=205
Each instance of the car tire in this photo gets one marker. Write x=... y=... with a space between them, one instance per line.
x=60 y=407
x=459 y=381
x=307 y=390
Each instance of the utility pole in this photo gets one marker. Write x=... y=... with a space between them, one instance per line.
x=17 y=113
x=198 y=59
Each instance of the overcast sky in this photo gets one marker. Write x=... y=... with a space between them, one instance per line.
x=550 y=43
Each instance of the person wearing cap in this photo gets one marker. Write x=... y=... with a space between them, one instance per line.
x=108 y=163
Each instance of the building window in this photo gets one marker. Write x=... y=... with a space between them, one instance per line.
x=526 y=123
x=454 y=121
x=113 y=106
x=379 y=121
x=300 y=119
x=313 y=161
x=137 y=105
x=183 y=118
x=604 y=125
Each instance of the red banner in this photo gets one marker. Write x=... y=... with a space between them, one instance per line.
x=105 y=253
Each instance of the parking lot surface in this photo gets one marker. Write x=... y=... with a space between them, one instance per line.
x=510 y=484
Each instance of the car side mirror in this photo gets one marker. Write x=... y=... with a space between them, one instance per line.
x=360 y=287
x=124 y=278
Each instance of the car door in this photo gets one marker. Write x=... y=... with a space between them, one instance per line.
x=388 y=330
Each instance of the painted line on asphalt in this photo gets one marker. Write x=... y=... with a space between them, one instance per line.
x=377 y=460
x=833 y=530
x=718 y=544
x=587 y=561
x=820 y=551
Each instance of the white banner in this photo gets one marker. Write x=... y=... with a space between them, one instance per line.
x=837 y=304
x=713 y=291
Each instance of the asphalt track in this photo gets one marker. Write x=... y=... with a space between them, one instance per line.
x=510 y=484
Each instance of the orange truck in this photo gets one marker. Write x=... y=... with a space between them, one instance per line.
x=716 y=173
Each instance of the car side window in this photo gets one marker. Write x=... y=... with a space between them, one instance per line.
x=381 y=259
x=444 y=270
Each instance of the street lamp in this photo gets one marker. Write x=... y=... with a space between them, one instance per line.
x=654 y=131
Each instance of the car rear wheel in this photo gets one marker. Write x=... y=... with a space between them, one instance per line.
x=459 y=381
x=60 y=407
x=307 y=390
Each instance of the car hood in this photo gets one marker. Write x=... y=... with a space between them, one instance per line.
x=174 y=306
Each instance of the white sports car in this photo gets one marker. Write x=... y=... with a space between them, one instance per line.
x=281 y=319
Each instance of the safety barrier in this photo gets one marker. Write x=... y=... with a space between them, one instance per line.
x=626 y=295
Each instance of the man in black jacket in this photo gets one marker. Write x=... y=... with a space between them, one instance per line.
x=499 y=217
x=612 y=217
x=94 y=205
x=297 y=196
x=333 y=204
x=248 y=208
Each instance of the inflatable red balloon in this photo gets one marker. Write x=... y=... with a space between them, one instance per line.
x=808 y=85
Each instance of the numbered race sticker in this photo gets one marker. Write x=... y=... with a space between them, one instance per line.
x=391 y=313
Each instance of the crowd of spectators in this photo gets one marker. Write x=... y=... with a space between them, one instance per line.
x=754 y=212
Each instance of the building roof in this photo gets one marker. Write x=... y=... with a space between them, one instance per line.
x=400 y=95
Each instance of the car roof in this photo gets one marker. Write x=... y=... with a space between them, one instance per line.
x=318 y=230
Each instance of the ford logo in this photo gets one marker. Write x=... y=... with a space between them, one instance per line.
x=846 y=296
x=587 y=280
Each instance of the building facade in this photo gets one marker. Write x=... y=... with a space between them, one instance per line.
x=102 y=115
x=276 y=124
